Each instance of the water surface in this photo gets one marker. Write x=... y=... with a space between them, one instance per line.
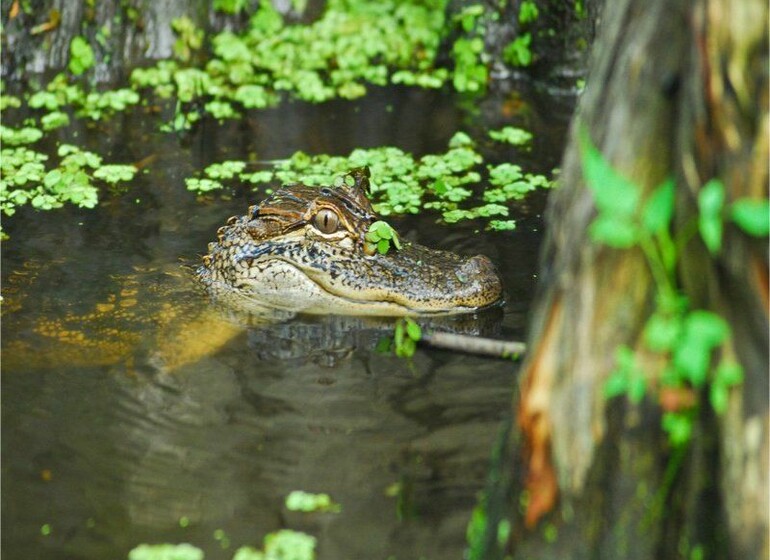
x=129 y=404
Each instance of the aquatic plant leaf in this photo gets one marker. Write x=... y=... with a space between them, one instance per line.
x=511 y=135
x=166 y=552
x=502 y=225
x=289 y=545
x=413 y=330
x=298 y=500
x=115 y=173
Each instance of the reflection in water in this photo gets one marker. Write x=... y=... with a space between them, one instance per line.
x=128 y=403
x=221 y=440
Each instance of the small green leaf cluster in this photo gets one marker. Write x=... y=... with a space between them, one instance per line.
x=19 y=136
x=511 y=135
x=470 y=74
x=382 y=236
x=406 y=334
x=189 y=38
x=470 y=71
x=281 y=545
x=511 y=183
x=81 y=55
x=518 y=52
x=689 y=339
x=25 y=179
x=307 y=502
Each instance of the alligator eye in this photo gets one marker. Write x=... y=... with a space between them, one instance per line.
x=326 y=220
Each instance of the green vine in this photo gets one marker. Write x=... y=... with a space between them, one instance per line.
x=691 y=340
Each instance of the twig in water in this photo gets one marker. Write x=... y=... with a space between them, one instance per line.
x=474 y=344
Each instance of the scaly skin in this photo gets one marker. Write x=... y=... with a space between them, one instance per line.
x=303 y=249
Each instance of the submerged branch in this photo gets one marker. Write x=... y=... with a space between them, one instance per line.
x=474 y=344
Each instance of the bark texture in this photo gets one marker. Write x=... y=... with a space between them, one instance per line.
x=675 y=88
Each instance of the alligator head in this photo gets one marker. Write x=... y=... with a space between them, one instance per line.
x=303 y=249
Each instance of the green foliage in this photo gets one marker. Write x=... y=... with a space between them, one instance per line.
x=19 y=136
x=512 y=184
x=55 y=119
x=225 y=170
x=115 y=173
x=189 y=38
x=202 y=185
x=315 y=62
x=502 y=225
x=382 y=236
x=406 y=334
x=230 y=6
x=711 y=200
x=81 y=56
x=752 y=216
x=690 y=339
x=25 y=179
x=307 y=502
x=518 y=51
x=528 y=12
x=9 y=102
x=511 y=135
x=470 y=72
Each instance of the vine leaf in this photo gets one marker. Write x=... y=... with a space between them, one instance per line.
x=710 y=202
x=752 y=216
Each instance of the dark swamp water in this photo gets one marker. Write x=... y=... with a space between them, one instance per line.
x=111 y=443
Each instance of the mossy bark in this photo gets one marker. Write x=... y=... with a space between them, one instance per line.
x=675 y=89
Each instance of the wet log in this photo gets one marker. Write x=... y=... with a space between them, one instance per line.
x=675 y=89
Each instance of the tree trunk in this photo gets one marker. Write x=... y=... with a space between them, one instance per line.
x=675 y=89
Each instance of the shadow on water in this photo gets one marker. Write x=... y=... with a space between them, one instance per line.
x=128 y=404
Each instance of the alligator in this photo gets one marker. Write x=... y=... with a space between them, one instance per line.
x=304 y=249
